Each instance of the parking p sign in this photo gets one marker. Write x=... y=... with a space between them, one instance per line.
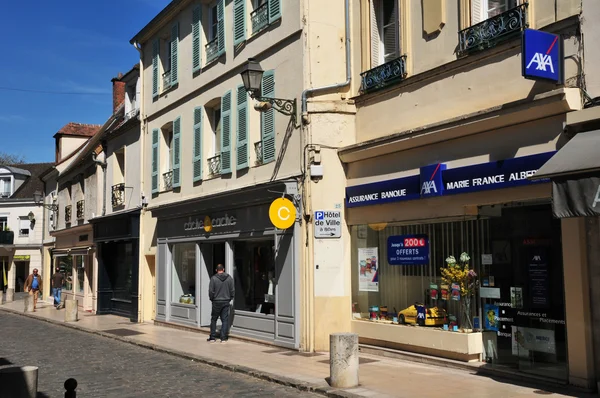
x=328 y=224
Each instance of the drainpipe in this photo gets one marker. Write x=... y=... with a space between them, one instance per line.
x=102 y=164
x=320 y=90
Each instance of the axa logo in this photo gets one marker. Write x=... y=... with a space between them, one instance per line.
x=597 y=198
x=428 y=187
x=542 y=61
x=537 y=258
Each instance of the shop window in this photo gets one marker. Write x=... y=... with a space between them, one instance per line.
x=254 y=276
x=183 y=276
x=65 y=264
x=80 y=265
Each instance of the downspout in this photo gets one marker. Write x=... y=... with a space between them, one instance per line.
x=320 y=90
x=102 y=164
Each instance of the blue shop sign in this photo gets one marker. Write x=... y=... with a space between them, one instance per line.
x=542 y=56
x=408 y=250
x=436 y=180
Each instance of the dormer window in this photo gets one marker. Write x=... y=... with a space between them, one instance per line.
x=5 y=187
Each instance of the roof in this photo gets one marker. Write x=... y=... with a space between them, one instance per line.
x=78 y=130
x=34 y=182
x=578 y=156
x=16 y=170
x=162 y=16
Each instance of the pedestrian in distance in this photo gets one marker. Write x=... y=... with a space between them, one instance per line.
x=33 y=285
x=57 y=280
x=221 y=291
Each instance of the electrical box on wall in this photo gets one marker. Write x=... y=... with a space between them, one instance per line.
x=316 y=171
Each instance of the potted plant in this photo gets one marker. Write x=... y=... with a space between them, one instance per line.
x=459 y=273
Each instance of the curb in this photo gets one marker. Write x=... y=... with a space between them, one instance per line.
x=266 y=376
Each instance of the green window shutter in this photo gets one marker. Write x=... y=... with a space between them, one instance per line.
x=268 y=118
x=274 y=10
x=242 y=128
x=155 y=136
x=221 y=27
x=226 y=133
x=155 y=60
x=177 y=152
x=196 y=18
x=174 y=48
x=197 y=162
x=239 y=21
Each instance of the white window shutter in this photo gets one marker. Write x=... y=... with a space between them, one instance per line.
x=375 y=37
x=477 y=11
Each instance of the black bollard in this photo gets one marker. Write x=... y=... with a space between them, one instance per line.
x=70 y=386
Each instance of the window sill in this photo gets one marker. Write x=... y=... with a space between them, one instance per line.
x=169 y=89
x=178 y=304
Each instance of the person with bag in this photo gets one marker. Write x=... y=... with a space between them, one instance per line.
x=33 y=285
x=221 y=291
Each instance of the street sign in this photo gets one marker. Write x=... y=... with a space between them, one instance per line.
x=328 y=224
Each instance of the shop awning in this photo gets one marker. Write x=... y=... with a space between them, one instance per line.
x=575 y=174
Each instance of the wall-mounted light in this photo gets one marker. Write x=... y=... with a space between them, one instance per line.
x=38 y=199
x=31 y=217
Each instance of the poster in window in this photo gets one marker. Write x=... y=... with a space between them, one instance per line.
x=368 y=280
x=516 y=297
x=531 y=339
x=433 y=291
x=445 y=292
x=491 y=317
x=455 y=292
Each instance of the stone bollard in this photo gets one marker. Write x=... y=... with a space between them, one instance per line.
x=19 y=381
x=28 y=303
x=71 y=311
x=70 y=386
x=343 y=360
x=1 y=297
x=10 y=295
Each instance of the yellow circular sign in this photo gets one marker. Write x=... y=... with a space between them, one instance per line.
x=282 y=213
x=207 y=224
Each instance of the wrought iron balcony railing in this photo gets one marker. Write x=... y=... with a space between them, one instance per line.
x=81 y=209
x=260 y=18
x=7 y=237
x=68 y=214
x=212 y=49
x=118 y=195
x=492 y=31
x=384 y=75
x=168 y=180
x=259 y=152
x=166 y=80
x=214 y=165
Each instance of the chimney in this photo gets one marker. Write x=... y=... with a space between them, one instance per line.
x=118 y=91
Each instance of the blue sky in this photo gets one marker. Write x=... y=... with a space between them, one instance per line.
x=65 y=46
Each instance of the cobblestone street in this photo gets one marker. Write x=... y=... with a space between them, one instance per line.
x=109 y=368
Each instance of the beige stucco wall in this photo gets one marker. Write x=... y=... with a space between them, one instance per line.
x=131 y=142
x=68 y=144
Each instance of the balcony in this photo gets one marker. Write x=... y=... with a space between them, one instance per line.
x=212 y=50
x=118 y=195
x=166 y=81
x=383 y=75
x=492 y=31
x=68 y=214
x=81 y=209
x=7 y=237
x=260 y=18
x=168 y=181
x=214 y=165
x=259 y=152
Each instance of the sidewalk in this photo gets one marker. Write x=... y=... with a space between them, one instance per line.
x=379 y=376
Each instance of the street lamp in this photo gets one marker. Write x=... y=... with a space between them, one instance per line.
x=252 y=75
x=38 y=199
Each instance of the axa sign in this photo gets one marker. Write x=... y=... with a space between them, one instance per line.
x=542 y=55
x=431 y=180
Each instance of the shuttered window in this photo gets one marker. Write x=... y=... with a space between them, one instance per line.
x=274 y=10
x=155 y=153
x=226 y=133
x=174 y=50
x=221 y=26
x=177 y=152
x=196 y=45
x=242 y=128
x=239 y=21
x=268 y=119
x=385 y=36
x=197 y=160
x=155 y=60
x=484 y=9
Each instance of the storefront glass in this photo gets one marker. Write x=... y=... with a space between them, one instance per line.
x=254 y=275
x=183 y=274
x=65 y=264
x=515 y=251
x=80 y=264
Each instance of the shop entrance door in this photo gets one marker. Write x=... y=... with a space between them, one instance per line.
x=21 y=274
x=211 y=254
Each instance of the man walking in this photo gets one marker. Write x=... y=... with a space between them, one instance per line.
x=220 y=292
x=57 y=282
x=33 y=285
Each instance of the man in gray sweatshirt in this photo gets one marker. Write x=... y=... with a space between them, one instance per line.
x=221 y=291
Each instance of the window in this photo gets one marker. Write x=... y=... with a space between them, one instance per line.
x=5 y=187
x=167 y=65
x=258 y=3
x=184 y=273
x=80 y=265
x=169 y=139
x=213 y=22
x=3 y=223
x=119 y=166
x=384 y=31
x=216 y=126
x=24 y=225
x=485 y=9
x=255 y=277
x=65 y=265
